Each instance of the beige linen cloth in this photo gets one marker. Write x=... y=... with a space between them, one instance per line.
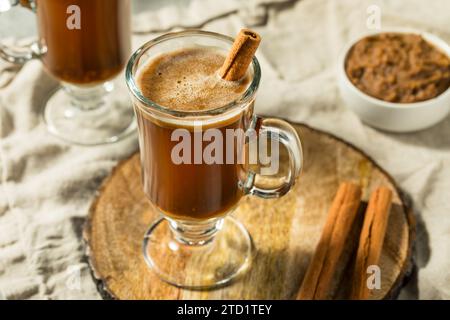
x=47 y=185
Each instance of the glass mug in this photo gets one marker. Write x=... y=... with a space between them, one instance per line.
x=84 y=44
x=197 y=244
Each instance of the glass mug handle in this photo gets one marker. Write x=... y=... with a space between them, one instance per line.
x=19 y=55
x=283 y=133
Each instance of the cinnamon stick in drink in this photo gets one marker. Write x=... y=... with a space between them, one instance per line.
x=371 y=240
x=342 y=213
x=240 y=55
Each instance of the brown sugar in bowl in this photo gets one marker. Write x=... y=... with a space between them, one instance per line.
x=400 y=87
x=398 y=67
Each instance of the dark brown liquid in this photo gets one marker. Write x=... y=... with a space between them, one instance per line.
x=188 y=191
x=92 y=54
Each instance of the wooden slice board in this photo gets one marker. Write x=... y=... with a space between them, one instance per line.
x=285 y=231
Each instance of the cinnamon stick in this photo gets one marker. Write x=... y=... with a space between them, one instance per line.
x=240 y=55
x=371 y=240
x=342 y=213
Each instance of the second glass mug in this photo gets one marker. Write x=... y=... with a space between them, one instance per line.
x=197 y=244
x=84 y=44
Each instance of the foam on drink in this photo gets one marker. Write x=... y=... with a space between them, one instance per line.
x=187 y=80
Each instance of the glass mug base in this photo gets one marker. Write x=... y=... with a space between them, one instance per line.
x=89 y=115
x=198 y=264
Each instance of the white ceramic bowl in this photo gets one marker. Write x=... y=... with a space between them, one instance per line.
x=390 y=116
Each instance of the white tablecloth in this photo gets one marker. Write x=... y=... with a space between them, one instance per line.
x=47 y=185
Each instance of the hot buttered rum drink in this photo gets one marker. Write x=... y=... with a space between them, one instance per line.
x=86 y=41
x=187 y=80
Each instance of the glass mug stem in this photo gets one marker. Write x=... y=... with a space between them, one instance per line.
x=195 y=233
x=87 y=98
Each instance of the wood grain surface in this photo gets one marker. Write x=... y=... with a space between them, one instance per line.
x=285 y=231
